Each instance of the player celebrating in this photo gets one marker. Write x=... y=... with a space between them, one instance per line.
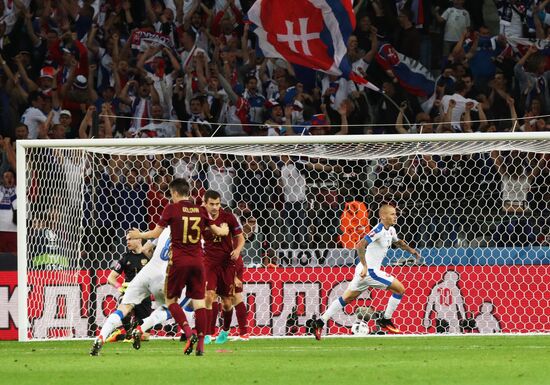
x=220 y=256
x=372 y=249
x=187 y=223
x=130 y=264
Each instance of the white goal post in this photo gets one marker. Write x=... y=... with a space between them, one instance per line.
x=475 y=205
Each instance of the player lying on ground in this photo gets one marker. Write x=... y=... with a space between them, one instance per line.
x=372 y=249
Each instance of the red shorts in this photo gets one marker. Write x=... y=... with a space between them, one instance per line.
x=220 y=279
x=239 y=269
x=189 y=277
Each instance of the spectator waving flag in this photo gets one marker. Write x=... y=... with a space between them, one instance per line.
x=310 y=33
x=412 y=76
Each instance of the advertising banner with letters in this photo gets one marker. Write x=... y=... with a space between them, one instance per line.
x=507 y=299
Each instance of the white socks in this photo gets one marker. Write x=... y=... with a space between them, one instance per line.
x=393 y=302
x=112 y=322
x=160 y=315
x=337 y=304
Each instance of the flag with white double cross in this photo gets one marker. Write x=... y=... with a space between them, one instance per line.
x=310 y=33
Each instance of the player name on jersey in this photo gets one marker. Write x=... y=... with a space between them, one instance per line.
x=190 y=210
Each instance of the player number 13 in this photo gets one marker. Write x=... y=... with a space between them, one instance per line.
x=193 y=234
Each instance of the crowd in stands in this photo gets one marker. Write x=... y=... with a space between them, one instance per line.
x=191 y=68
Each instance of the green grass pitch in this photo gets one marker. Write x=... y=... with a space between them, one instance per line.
x=501 y=360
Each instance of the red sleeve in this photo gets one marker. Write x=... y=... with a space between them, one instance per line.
x=205 y=217
x=239 y=262
x=234 y=226
x=83 y=60
x=55 y=52
x=166 y=216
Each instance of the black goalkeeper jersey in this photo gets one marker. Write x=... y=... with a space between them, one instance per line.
x=130 y=264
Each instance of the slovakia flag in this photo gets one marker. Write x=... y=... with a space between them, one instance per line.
x=311 y=33
x=412 y=75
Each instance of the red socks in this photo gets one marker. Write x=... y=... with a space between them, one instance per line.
x=201 y=325
x=240 y=309
x=227 y=317
x=180 y=318
x=213 y=318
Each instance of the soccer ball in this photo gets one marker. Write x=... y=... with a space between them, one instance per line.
x=360 y=328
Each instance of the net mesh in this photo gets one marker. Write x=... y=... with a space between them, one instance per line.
x=476 y=211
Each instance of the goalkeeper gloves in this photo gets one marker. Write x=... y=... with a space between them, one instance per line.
x=122 y=287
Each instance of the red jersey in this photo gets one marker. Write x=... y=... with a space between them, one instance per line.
x=217 y=250
x=187 y=222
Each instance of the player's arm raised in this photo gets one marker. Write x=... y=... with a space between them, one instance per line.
x=136 y=234
x=361 y=248
x=404 y=246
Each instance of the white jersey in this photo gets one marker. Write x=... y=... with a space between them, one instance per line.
x=161 y=255
x=150 y=279
x=379 y=241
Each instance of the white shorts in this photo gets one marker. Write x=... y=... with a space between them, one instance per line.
x=375 y=278
x=150 y=280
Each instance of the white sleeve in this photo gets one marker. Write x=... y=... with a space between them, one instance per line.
x=39 y=116
x=445 y=14
x=373 y=235
x=445 y=102
x=56 y=115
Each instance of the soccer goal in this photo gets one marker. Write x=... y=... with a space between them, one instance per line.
x=476 y=206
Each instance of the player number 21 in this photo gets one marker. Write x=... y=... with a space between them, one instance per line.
x=193 y=234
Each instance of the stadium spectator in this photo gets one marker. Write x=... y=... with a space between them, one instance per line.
x=512 y=14
x=392 y=183
x=156 y=197
x=220 y=177
x=131 y=204
x=295 y=211
x=157 y=127
x=407 y=37
x=7 y=154
x=517 y=174
x=533 y=80
x=8 y=207
x=34 y=116
x=252 y=250
x=150 y=62
x=456 y=20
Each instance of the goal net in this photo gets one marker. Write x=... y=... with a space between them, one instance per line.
x=476 y=206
